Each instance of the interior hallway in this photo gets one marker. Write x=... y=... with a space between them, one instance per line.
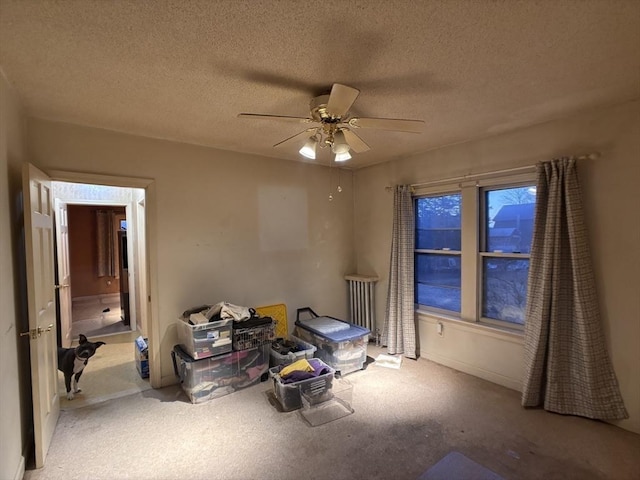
x=97 y=315
x=110 y=373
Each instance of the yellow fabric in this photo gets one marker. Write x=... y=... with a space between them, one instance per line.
x=301 y=366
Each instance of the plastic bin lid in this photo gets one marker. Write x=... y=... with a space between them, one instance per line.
x=333 y=329
x=325 y=325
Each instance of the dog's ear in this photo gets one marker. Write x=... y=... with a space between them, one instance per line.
x=82 y=339
x=99 y=344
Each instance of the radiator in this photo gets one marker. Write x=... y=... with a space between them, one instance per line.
x=362 y=301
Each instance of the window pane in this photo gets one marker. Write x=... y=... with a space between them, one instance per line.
x=438 y=280
x=438 y=222
x=509 y=218
x=505 y=289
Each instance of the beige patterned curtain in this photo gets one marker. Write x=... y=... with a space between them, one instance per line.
x=399 y=333
x=105 y=243
x=567 y=368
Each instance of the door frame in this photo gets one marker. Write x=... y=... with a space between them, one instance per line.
x=150 y=237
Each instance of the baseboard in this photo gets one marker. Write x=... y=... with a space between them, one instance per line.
x=512 y=383
x=20 y=471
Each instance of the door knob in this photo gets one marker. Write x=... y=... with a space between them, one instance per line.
x=37 y=332
x=62 y=286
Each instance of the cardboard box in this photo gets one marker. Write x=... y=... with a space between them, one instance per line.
x=141 y=352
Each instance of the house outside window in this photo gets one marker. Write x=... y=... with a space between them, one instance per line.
x=472 y=249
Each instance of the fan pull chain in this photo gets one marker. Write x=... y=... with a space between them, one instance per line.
x=330 y=172
x=339 y=187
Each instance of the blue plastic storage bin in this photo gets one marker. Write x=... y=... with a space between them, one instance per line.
x=341 y=345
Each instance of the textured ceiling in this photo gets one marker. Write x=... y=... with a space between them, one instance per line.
x=182 y=70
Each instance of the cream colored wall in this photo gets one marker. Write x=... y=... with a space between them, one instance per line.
x=244 y=229
x=14 y=356
x=612 y=202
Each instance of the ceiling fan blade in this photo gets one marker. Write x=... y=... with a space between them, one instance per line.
x=355 y=142
x=393 y=124
x=341 y=99
x=276 y=117
x=306 y=133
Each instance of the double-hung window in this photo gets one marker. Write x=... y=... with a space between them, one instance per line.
x=472 y=246
x=438 y=278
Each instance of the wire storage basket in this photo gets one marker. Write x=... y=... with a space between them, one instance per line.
x=244 y=338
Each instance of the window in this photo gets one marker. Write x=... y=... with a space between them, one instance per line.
x=437 y=256
x=507 y=223
x=472 y=250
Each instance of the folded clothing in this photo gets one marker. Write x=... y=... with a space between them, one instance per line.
x=295 y=375
x=301 y=365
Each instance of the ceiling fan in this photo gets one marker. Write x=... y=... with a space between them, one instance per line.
x=334 y=126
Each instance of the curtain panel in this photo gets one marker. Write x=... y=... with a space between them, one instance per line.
x=105 y=243
x=399 y=332
x=567 y=367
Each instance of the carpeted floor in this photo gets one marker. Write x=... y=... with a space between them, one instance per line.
x=405 y=421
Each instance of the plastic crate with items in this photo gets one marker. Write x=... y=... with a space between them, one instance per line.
x=340 y=344
x=303 y=376
x=285 y=351
x=249 y=329
x=214 y=377
x=203 y=334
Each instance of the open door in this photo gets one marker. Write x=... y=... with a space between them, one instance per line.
x=64 y=275
x=38 y=223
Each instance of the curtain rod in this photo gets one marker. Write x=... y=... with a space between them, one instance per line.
x=474 y=176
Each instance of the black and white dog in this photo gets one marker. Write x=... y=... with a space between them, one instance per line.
x=71 y=362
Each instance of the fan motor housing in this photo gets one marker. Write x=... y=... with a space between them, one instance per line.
x=318 y=107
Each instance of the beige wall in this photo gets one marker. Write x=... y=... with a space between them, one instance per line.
x=612 y=202
x=15 y=410
x=244 y=229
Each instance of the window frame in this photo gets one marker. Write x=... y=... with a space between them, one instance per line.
x=473 y=242
x=440 y=311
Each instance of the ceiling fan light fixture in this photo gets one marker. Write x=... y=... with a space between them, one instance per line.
x=309 y=148
x=343 y=157
x=340 y=144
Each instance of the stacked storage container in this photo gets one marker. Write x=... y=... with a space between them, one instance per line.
x=214 y=358
x=214 y=377
x=282 y=354
x=340 y=344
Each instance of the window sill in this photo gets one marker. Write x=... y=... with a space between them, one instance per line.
x=507 y=334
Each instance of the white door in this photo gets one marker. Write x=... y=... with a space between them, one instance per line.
x=64 y=276
x=38 y=224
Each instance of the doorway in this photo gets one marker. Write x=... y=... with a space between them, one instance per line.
x=101 y=257
x=101 y=263
x=98 y=267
